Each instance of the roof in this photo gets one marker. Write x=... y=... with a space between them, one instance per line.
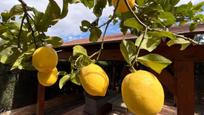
x=118 y=37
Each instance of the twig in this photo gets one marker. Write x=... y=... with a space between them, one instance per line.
x=19 y=34
x=135 y=16
x=177 y=35
x=102 y=42
x=36 y=26
x=106 y=22
x=148 y=28
x=103 y=37
x=188 y=39
x=139 y=47
x=24 y=5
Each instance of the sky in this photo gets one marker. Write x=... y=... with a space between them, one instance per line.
x=68 y=28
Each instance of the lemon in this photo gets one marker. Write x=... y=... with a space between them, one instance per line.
x=44 y=59
x=142 y=93
x=48 y=78
x=122 y=8
x=94 y=80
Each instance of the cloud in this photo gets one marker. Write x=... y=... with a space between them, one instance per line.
x=186 y=1
x=70 y=26
x=7 y=4
x=67 y=27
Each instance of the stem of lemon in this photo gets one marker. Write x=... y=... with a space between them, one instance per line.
x=139 y=47
x=102 y=42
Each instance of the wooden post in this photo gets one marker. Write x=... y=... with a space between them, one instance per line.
x=184 y=72
x=40 y=100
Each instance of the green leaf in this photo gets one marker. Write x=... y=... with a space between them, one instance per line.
x=184 y=10
x=5 y=16
x=154 y=61
x=193 y=26
x=198 y=6
x=85 y=25
x=3 y=58
x=167 y=4
x=95 y=34
x=82 y=61
x=55 y=41
x=16 y=10
x=167 y=18
x=79 y=50
x=50 y=17
x=184 y=43
x=10 y=56
x=4 y=45
x=131 y=22
x=73 y=1
x=128 y=50
x=198 y=18
x=98 y=8
x=62 y=73
x=74 y=78
x=38 y=16
x=63 y=80
x=20 y=62
x=162 y=34
x=140 y=2
x=52 y=12
x=64 y=9
x=88 y=3
x=149 y=43
x=174 y=2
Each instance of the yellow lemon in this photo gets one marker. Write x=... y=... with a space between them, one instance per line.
x=94 y=80
x=44 y=59
x=48 y=78
x=142 y=93
x=122 y=8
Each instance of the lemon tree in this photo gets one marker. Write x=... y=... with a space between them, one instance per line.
x=19 y=39
x=148 y=20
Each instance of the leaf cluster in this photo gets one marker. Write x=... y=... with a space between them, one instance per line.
x=78 y=60
x=19 y=39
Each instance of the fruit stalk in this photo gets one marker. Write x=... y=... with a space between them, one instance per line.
x=107 y=24
x=139 y=47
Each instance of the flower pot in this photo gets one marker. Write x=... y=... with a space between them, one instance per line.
x=97 y=105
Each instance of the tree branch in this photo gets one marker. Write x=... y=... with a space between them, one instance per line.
x=135 y=16
x=103 y=37
x=19 y=34
x=24 y=5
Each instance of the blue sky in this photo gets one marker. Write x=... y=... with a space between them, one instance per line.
x=68 y=28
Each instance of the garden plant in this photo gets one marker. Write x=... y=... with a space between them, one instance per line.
x=25 y=45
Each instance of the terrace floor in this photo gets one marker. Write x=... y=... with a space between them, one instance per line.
x=74 y=105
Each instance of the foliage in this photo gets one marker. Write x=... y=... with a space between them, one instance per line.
x=19 y=40
x=149 y=21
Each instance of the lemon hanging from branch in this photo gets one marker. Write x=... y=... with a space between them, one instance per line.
x=142 y=93
x=94 y=80
x=122 y=8
x=45 y=59
x=48 y=78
